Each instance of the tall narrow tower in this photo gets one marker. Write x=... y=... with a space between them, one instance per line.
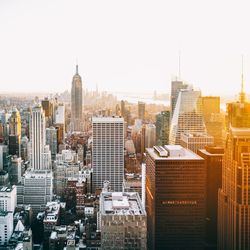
x=15 y=133
x=40 y=153
x=234 y=196
x=76 y=102
x=108 y=152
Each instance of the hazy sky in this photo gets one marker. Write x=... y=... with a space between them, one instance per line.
x=128 y=45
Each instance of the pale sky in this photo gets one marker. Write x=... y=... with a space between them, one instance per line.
x=124 y=45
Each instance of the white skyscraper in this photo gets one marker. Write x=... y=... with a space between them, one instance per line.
x=60 y=114
x=108 y=152
x=40 y=158
x=37 y=184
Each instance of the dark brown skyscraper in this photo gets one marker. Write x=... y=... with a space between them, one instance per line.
x=175 y=198
x=213 y=162
x=76 y=102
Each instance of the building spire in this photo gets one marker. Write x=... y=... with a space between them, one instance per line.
x=76 y=69
x=179 y=64
x=76 y=66
x=242 y=93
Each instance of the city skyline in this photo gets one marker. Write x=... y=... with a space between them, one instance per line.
x=124 y=125
x=123 y=45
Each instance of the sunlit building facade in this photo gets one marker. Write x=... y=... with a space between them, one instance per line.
x=176 y=86
x=213 y=162
x=187 y=115
x=234 y=196
x=196 y=141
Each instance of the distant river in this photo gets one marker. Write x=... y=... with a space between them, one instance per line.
x=148 y=99
x=134 y=98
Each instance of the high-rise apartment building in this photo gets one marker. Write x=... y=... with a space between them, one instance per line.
x=175 y=198
x=123 y=221
x=176 y=86
x=196 y=141
x=108 y=152
x=162 y=128
x=187 y=115
x=76 y=102
x=213 y=162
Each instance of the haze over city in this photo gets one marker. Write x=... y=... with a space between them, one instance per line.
x=123 y=45
x=124 y=125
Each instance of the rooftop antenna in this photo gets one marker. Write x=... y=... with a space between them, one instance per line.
x=179 y=64
x=242 y=93
x=76 y=66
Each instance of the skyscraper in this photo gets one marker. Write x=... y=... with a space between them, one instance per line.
x=176 y=86
x=234 y=196
x=213 y=163
x=141 y=110
x=213 y=118
x=15 y=133
x=36 y=188
x=51 y=140
x=162 y=128
x=123 y=108
x=150 y=135
x=108 y=152
x=40 y=156
x=187 y=115
x=175 y=198
x=76 y=102
x=47 y=106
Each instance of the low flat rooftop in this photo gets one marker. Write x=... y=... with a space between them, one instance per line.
x=240 y=131
x=7 y=189
x=107 y=119
x=165 y=153
x=118 y=203
x=206 y=152
x=38 y=174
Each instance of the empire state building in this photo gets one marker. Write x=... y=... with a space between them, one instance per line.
x=76 y=102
